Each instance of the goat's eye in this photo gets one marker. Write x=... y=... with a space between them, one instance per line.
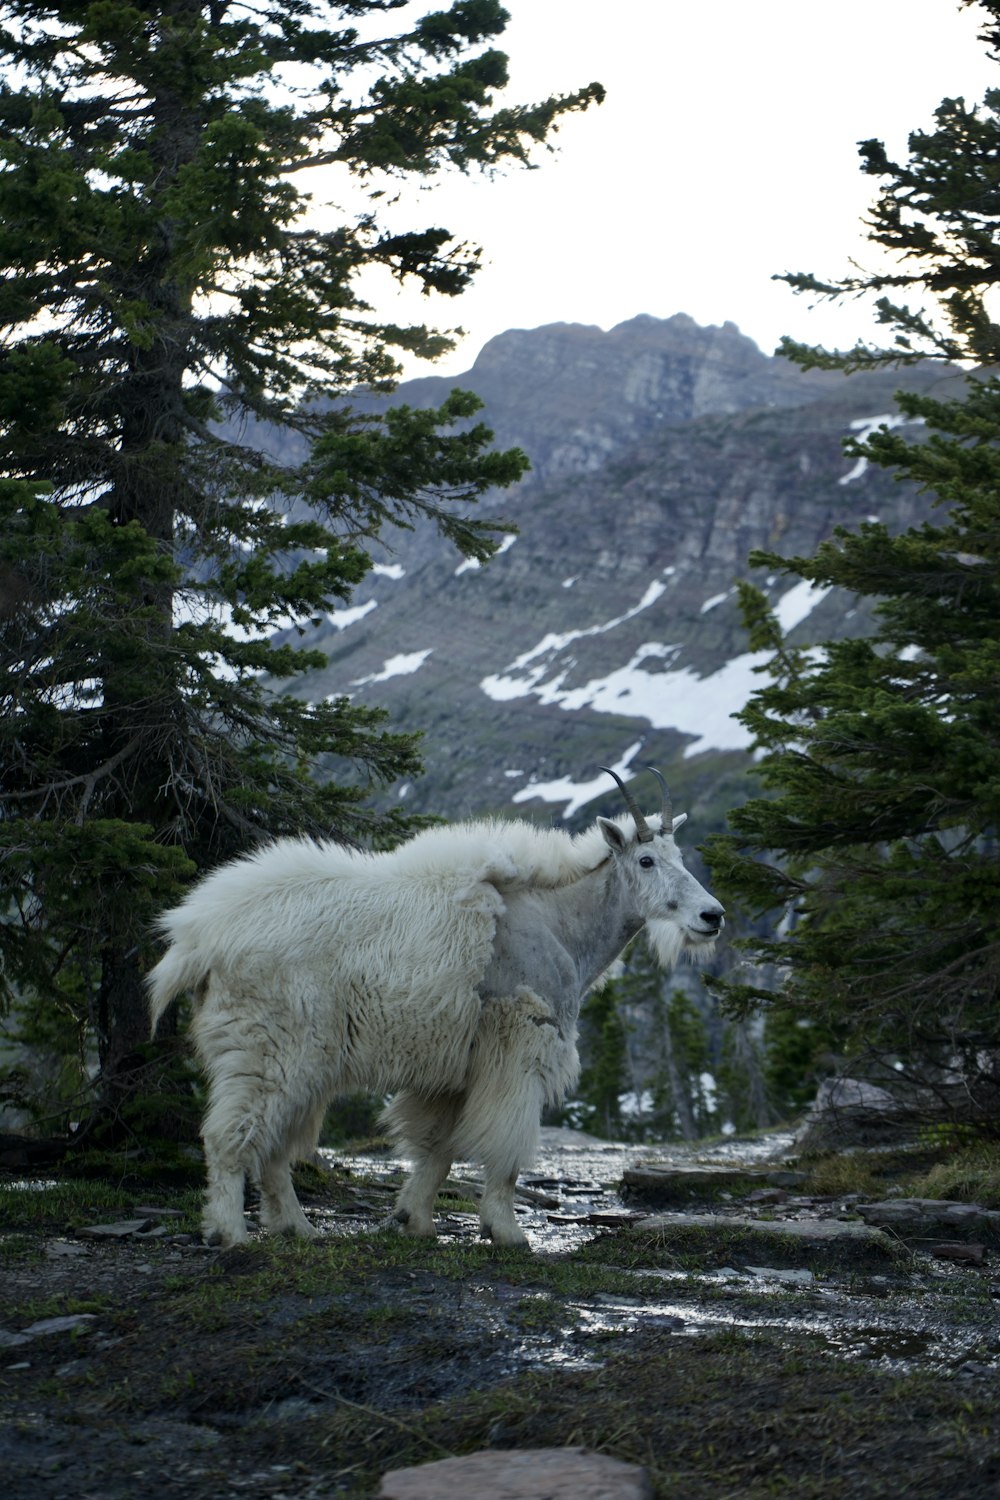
x=647 y=861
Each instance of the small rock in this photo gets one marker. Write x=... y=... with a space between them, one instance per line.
x=972 y=1254
x=787 y=1179
x=536 y=1199
x=159 y=1213
x=657 y=1184
x=767 y=1195
x=912 y=1216
x=64 y=1250
x=69 y=1323
x=119 y=1231
x=520 y=1474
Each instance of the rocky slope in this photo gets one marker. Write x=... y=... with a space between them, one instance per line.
x=606 y=631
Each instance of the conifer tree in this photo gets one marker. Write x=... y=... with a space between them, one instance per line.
x=178 y=478
x=877 y=833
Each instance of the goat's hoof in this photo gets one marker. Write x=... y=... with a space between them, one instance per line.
x=404 y=1222
x=224 y=1239
x=507 y=1239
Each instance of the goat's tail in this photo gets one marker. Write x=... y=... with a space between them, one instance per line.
x=179 y=969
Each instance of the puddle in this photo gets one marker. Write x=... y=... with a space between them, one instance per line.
x=578 y=1174
x=900 y=1323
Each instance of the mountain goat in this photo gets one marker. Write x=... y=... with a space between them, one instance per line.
x=448 y=972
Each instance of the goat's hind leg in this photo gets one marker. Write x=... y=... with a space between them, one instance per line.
x=280 y=1209
x=520 y=1063
x=223 y=1221
x=423 y=1129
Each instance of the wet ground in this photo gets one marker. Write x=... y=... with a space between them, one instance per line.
x=727 y=1362
x=907 y=1316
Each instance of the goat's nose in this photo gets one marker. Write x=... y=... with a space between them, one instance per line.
x=712 y=918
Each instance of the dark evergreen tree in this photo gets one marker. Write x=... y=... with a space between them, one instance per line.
x=174 y=310
x=877 y=833
x=603 y=1045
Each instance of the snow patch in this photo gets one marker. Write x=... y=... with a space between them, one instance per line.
x=472 y=564
x=396 y=666
x=715 y=600
x=575 y=794
x=668 y=698
x=792 y=608
x=340 y=619
x=865 y=427
x=504 y=686
x=389 y=570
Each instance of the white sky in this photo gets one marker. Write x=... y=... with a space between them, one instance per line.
x=725 y=152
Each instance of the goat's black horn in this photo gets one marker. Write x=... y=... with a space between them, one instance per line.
x=643 y=831
x=666 y=806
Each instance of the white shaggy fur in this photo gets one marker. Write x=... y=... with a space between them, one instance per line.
x=448 y=972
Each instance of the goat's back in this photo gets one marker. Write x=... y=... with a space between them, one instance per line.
x=417 y=928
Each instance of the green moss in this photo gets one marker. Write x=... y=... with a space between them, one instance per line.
x=944 y=1167
x=699 y=1247
x=970 y=1174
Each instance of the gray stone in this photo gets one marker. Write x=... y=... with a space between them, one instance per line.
x=68 y=1323
x=659 y=1184
x=851 y=1112
x=787 y=1179
x=915 y=1215
x=119 y=1231
x=795 y=1231
x=970 y=1254
x=525 y=1474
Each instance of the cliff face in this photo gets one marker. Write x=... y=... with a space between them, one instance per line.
x=606 y=632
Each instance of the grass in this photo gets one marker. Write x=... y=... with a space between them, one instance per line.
x=968 y=1172
x=697 y=1247
x=68 y=1203
x=727 y=1415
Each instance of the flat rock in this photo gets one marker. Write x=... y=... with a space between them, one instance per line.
x=679 y=1184
x=521 y=1474
x=119 y=1231
x=829 y=1232
x=69 y=1323
x=65 y=1250
x=913 y=1216
x=970 y=1254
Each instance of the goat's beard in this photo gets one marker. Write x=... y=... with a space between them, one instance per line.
x=668 y=942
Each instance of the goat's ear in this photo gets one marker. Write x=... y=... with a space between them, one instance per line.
x=613 y=836
x=680 y=818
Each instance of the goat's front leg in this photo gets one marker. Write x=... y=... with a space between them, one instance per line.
x=423 y=1128
x=497 y=1218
